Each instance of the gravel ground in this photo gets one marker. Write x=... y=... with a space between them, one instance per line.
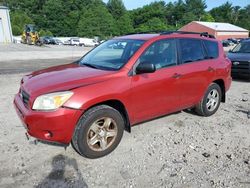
x=178 y=150
x=13 y=52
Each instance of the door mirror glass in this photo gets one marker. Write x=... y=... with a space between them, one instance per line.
x=145 y=67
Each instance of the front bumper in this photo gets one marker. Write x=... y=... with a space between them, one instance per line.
x=53 y=126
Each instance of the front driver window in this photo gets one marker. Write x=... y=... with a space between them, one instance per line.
x=161 y=54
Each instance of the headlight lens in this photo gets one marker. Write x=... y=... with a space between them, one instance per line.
x=51 y=101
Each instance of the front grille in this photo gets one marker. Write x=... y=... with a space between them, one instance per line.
x=240 y=65
x=25 y=97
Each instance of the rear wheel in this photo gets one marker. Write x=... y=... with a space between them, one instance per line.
x=29 y=41
x=98 y=132
x=210 y=102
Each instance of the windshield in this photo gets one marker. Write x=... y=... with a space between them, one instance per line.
x=31 y=28
x=111 y=55
x=243 y=47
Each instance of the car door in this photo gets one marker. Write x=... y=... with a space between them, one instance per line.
x=196 y=71
x=155 y=94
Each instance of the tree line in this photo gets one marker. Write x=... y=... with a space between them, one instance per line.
x=89 y=18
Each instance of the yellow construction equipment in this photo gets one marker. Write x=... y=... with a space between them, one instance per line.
x=30 y=35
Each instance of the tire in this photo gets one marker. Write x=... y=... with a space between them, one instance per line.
x=29 y=41
x=98 y=132
x=210 y=102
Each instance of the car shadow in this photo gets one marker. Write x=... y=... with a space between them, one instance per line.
x=156 y=118
x=241 y=79
x=192 y=112
x=58 y=177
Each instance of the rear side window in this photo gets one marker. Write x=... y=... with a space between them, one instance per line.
x=212 y=49
x=191 y=50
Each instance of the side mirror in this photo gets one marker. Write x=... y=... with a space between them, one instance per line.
x=145 y=67
x=230 y=51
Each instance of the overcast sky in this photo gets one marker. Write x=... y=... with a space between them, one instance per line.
x=132 y=4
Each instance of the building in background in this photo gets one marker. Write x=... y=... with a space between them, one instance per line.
x=5 y=26
x=221 y=31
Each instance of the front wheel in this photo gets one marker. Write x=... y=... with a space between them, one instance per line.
x=210 y=101
x=98 y=132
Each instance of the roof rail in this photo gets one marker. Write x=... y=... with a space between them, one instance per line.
x=204 y=34
x=145 y=32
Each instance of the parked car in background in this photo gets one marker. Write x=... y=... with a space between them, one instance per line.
x=225 y=43
x=48 y=40
x=75 y=42
x=90 y=103
x=58 y=42
x=231 y=42
x=240 y=57
x=102 y=41
x=88 y=42
x=234 y=41
x=66 y=42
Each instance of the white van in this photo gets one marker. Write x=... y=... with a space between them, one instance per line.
x=75 y=41
x=88 y=42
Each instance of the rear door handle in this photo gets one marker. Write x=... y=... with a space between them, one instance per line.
x=210 y=69
x=176 y=75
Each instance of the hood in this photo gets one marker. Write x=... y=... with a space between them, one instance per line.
x=239 y=56
x=61 y=78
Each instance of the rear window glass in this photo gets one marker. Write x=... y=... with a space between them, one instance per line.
x=191 y=50
x=212 y=49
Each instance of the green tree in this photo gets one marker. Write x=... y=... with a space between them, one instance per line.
x=207 y=17
x=45 y=33
x=96 y=21
x=124 y=25
x=222 y=13
x=232 y=14
x=152 y=25
x=123 y=22
x=142 y=16
x=65 y=13
x=196 y=7
x=95 y=18
x=174 y=13
x=116 y=8
x=18 y=20
x=194 y=10
x=244 y=17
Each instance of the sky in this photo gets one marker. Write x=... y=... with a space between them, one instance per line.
x=132 y=4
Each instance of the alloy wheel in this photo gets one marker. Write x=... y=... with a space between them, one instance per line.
x=212 y=100
x=102 y=134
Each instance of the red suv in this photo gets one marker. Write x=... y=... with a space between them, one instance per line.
x=122 y=82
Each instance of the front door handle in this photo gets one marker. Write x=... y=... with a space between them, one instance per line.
x=210 y=69
x=176 y=75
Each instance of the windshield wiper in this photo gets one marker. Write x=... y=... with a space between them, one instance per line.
x=90 y=65
x=188 y=61
x=209 y=57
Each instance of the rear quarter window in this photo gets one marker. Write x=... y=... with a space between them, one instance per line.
x=211 y=48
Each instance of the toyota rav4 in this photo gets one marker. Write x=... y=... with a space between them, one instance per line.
x=122 y=82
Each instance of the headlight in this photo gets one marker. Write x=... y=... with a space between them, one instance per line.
x=51 y=101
